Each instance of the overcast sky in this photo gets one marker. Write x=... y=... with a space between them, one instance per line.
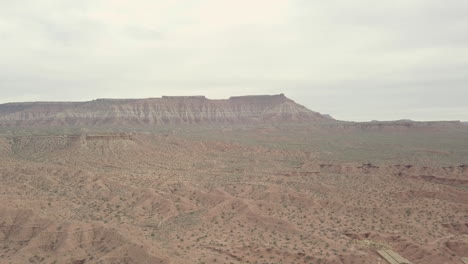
x=355 y=60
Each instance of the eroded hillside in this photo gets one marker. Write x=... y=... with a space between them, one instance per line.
x=170 y=198
x=168 y=110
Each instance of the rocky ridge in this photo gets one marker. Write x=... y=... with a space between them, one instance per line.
x=168 y=110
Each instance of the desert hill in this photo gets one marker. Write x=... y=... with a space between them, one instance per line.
x=123 y=115
x=264 y=195
x=273 y=183
x=168 y=110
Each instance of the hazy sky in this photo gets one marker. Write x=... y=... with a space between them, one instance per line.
x=355 y=60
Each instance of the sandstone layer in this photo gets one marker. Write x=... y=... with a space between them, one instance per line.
x=168 y=110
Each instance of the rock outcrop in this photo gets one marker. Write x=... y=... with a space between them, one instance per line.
x=168 y=110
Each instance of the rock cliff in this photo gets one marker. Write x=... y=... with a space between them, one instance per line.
x=168 y=110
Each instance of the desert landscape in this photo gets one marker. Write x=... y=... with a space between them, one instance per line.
x=254 y=179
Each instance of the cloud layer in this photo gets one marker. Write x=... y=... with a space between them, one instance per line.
x=357 y=60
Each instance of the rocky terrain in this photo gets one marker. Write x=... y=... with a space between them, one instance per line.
x=266 y=193
x=108 y=115
x=167 y=110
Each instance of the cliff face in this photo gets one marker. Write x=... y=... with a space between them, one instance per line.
x=156 y=111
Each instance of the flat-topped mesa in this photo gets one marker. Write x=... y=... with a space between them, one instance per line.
x=167 y=110
x=200 y=97
x=260 y=97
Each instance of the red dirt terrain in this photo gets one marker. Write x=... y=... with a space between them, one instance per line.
x=261 y=194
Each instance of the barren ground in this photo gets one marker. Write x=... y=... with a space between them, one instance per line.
x=234 y=195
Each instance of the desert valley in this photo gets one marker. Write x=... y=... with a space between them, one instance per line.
x=251 y=179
